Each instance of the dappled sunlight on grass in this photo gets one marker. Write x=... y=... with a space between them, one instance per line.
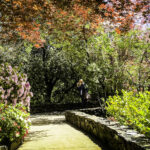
x=50 y=132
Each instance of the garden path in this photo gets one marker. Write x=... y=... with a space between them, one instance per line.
x=51 y=132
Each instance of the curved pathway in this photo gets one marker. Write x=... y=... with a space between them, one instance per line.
x=51 y=132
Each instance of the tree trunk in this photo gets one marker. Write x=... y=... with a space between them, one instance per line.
x=49 y=90
x=48 y=86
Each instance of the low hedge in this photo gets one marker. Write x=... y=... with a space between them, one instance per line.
x=14 y=123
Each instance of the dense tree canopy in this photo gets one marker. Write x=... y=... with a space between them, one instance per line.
x=57 y=42
x=28 y=18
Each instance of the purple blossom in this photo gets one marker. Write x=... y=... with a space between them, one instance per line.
x=31 y=94
x=11 y=76
x=22 y=102
x=5 y=102
x=27 y=85
x=14 y=101
x=24 y=95
x=23 y=83
x=5 y=97
x=8 y=94
x=28 y=101
x=10 y=69
x=7 y=81
x=12 y=88
x=2 y=96
x=15 y=78
x=21 y=91
x=1 y=78
x=1 y=89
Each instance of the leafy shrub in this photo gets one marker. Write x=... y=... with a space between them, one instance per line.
x=14 y=87
x=14 y=123
x=131 y=109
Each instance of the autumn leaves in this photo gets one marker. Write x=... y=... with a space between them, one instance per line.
x=30 y=18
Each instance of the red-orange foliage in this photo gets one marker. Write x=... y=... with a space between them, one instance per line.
x=27 y=18
x=118 y=30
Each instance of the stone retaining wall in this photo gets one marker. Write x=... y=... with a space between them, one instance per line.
x=97 y=111
x=109 y=132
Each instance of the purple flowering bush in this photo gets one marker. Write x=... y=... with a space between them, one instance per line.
x=15 y=98
x=14 y=87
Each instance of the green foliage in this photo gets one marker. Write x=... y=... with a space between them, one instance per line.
x=51 y=74
x=106 y=61
x=131 y=109
x=118 y=62
x=14 y=123
x=15 y=54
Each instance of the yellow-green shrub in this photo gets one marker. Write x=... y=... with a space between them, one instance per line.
x=132 y=109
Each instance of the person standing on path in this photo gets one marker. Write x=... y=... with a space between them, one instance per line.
x=83 y=91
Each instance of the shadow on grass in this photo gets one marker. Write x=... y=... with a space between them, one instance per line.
x=42 y=122
x=35 y=135
x=39 y=120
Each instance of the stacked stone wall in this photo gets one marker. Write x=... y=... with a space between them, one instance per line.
x=110 y=133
